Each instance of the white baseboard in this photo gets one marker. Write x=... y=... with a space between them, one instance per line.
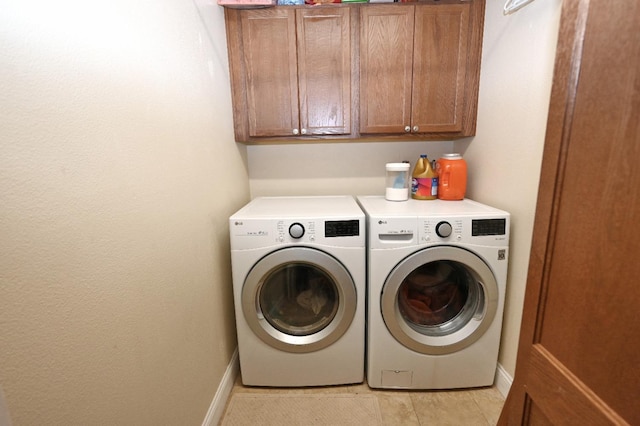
x=216 y=409
x=503 y=383
x=503 y=380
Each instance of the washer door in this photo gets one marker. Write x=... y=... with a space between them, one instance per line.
x=439 y=300
x=299 y=299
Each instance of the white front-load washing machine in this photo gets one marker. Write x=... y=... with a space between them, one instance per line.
x=299 y=272
x=437 y=274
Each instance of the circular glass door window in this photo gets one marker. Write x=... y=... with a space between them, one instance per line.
x=439 y=300
x=439 y=297
x=298 y=299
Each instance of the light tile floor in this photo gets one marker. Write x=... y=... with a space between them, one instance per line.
x=465 y=407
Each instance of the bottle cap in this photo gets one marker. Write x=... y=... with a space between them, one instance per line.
x=397 y=167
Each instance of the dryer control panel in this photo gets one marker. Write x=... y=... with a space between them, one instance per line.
x=255 y=233
x=452 y=230
x=438 y=229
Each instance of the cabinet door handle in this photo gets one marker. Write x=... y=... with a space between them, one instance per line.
x=303 y=131
x=407 y=129
x=415 y=129
x=295 y=131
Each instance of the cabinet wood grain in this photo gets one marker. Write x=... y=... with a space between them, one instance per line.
x=324 y=70
x=272 y=91
x=386 y=68
x=397 y=71
x=292 y=73
x=417 y=69
x=441 y=46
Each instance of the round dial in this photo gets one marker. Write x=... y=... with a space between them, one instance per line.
x=296 y=230
x=443 y=229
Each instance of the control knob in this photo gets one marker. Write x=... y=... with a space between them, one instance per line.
x=296 y=230
x=443 y=229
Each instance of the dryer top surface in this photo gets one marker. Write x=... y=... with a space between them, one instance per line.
x=324 y=207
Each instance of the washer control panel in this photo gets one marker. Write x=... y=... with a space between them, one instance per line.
x=463 y=230
x=420 y=223
x=441 y=229
x=391 y=232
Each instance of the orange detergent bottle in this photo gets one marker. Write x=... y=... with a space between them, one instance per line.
x=424 y=180
x=452 y=172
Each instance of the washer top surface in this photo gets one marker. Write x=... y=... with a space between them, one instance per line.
x=378 y=206
x=325 y=207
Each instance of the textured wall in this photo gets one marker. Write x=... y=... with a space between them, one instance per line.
x=505 y=156
x=118 y=171
x=331 y=169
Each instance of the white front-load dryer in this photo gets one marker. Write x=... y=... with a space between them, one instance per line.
x=437 y=274
x=299 y=274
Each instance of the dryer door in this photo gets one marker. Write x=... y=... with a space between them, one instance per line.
x=299 y=299
x=439 y=300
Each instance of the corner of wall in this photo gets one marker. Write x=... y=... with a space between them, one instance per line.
x=219 y=403
x=503 y=380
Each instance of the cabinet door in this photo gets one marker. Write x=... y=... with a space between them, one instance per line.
x=324 y=70
x=410 y=70
x=386 y=56
x=439 y=67
x=269 y=52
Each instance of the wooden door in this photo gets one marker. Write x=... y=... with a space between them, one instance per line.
x=580 y=340
x=441 y=47
x=324 y=70
x=386 y=58
x=271 y=73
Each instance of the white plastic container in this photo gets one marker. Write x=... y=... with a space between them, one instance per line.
x=397 y=182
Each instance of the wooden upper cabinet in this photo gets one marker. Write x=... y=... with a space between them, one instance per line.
x=439 y=67
x=270 y=62
x=419 y=68
x=401 y=71
x=386 y=68
x=290 y=71
x=324 y=70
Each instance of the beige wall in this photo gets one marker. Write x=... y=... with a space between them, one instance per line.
x=330 y=169
x=504 y=157
x=118 y=171
x=506 y=154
